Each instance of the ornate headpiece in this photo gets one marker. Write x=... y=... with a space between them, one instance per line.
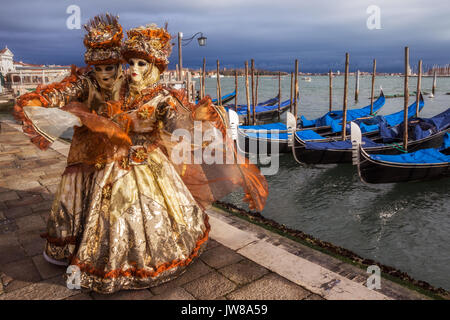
x=149 y=43
x=103 y=40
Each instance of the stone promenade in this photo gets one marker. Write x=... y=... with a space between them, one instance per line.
x=242 y=260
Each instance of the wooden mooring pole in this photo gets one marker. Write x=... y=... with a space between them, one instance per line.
x=279 y=94
x=330 y=74
x=291 y=101
x=433 y=90
x=180 y=57
x=219 y=91
x=200 y=92
x=253 y=91
x=344 y=119
x=405 y=106
x=204 y=78
x=236 y=90
x=256 y=88
x=373 y=85
x=419 y=82
x=296 y=90
x=357 y=86
x=247 y=93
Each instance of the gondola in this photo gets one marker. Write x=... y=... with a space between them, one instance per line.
x=259 y=135
x=327 y=151
x=264 y=113
x=269 y=102
x=270 y=138
x=425 y=164
x=331 y=121
x=226 y=98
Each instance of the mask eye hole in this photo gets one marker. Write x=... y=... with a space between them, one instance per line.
x=98 y=69
x=109 y=68
x=131 y=63
x=141 y=63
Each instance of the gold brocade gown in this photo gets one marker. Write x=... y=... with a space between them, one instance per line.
x=127 y=224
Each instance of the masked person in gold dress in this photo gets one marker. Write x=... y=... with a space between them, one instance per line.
x=131 y=213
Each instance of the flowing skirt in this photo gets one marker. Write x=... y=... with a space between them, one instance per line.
x=126 y=228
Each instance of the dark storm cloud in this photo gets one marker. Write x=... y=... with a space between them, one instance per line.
x=274 y=33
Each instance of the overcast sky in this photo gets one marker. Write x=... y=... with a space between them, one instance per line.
x=273 y=32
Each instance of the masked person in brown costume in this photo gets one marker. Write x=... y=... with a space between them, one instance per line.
x=132 y=214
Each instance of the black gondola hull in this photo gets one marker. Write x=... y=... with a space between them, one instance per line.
x=330 y=156
x=261 y=146
x=373 y=171
x=265 y=116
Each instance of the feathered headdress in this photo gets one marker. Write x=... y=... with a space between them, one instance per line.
x=149 y=43
x=103 y=40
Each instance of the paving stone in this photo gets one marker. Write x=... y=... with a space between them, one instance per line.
x=32 y=243
x=314 y=296
x=22 y=270
x=7 y=164
x=211 y=244
x=174 y=294
x=210 y=286
x=7 y=157
x=25 y=155
x=143 y=294
x=47 y=162
x=30 y=200
x=243 y=272
x=41 y=190
x=17 y=212
x=34 y=248
x=8 y=240
x=47 y=270
x=270 y=287
x=44 y=205
x=8 y=226
x=30 y=223
x=47 y=195
x=19 y=184
x=50 y=181
x=50 y=175
x=80 y=296
x=46 y=290
x=9 y=195
x=52 y=189
x=220 y=256
x=194 y=271
x=11 y=253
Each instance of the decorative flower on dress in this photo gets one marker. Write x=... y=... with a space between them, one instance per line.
x=103 y=40
x=146 y=112
x=107 y=191
x=139 y=155
x=124 y=163
x=100 y=163
x=149 y=43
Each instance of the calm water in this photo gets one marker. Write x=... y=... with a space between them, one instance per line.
x=402 y=225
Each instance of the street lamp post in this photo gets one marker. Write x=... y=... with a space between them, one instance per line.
x=201 y=42
x=180 y=59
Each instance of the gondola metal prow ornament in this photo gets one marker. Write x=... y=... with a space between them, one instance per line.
x=234 y=122
x=356 y=138
x=291 y=126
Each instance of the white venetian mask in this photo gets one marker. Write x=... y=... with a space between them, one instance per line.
x=106 y=75
x=138 y=69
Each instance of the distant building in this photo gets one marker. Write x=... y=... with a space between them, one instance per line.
x=6 y=61
x=20 y=77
